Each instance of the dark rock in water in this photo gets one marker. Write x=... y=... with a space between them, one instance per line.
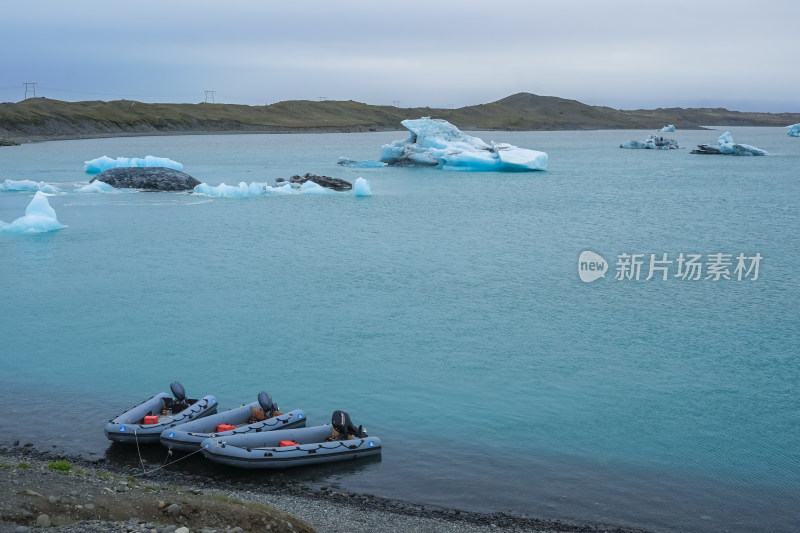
x=147 y=178
x=336 y=184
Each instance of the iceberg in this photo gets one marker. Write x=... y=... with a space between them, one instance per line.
x=101 y=164
x=28 y=185
x=668 y=128
x=726 y=146
x=437 y=143
x=794 y=130
x=361 y=187
x=39 y=217
x=653 y=142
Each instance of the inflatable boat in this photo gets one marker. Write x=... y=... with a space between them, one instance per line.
x=338 y=441
x=145 y=422
x=255 y=417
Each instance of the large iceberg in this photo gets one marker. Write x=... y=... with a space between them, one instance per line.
x=39 y=217
x=794 y=130
x=437 y=143
x=653 y=142
x=726 y=146
x=100 y=164
x=28 y=185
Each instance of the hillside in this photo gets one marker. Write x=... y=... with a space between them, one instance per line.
x=37 y=119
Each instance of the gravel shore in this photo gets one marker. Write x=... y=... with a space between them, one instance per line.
x=41 y=491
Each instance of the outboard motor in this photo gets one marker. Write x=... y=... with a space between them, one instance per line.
x=178 y=391
x=180 y=402
x=266 y=403
x=344 y=426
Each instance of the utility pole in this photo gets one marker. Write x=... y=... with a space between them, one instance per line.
x=32 y=85
x=210 y=93
x=396 y=103
x=322 y=98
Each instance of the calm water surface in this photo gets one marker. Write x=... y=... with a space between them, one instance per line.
x=445 y=313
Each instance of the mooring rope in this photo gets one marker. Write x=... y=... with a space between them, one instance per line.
x=145 y=472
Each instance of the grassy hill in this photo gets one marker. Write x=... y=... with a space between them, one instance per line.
x=38 y=119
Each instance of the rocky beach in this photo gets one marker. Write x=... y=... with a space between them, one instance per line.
x=41 y=491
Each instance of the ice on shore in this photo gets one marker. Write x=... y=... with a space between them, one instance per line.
x=794 y=130
x=100 y=164
x=668 y=128
x=726 y=146
x=437 y=143
x=39 y=217
x=244 y=190
x=653 y=142
x=28 y=185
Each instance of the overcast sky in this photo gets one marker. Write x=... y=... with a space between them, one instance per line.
x=737 y=54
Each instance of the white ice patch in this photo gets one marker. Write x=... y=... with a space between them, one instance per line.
x=39 y=217
x=243 y=190
x=96 y=186
x=104 y=163
x=437 y=143
x=28 y=185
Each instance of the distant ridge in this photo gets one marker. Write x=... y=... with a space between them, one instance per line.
x=37 y=119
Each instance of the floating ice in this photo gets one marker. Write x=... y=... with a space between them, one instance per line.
x=310 y=187
x=794 y=130
x=39 y=217
x=437 y=143
x=653 y=142
x=726 y=146
x=359 y=164
x=668 y=128
x=243 y=190
x=28 y=185
x=361 y=187
x=96 y=186
x=104 y=163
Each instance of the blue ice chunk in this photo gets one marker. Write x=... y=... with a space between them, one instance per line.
x=794 y=130
x=104 y=163
x=28 y=185
x=39 y=217
x=727 y=146
x=437 y=143
x=671 y=127
x=361 y=187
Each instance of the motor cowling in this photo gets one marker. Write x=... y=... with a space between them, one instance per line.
x=178 y=391
x=266 y=403
x=341 y=422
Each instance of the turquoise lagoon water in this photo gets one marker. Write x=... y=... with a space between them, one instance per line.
x=445 y=313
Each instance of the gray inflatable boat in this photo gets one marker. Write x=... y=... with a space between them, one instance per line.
x=145 y=422
x=255 y=417
x=339 y=441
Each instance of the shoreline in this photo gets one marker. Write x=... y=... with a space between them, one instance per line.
x=30 y=486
